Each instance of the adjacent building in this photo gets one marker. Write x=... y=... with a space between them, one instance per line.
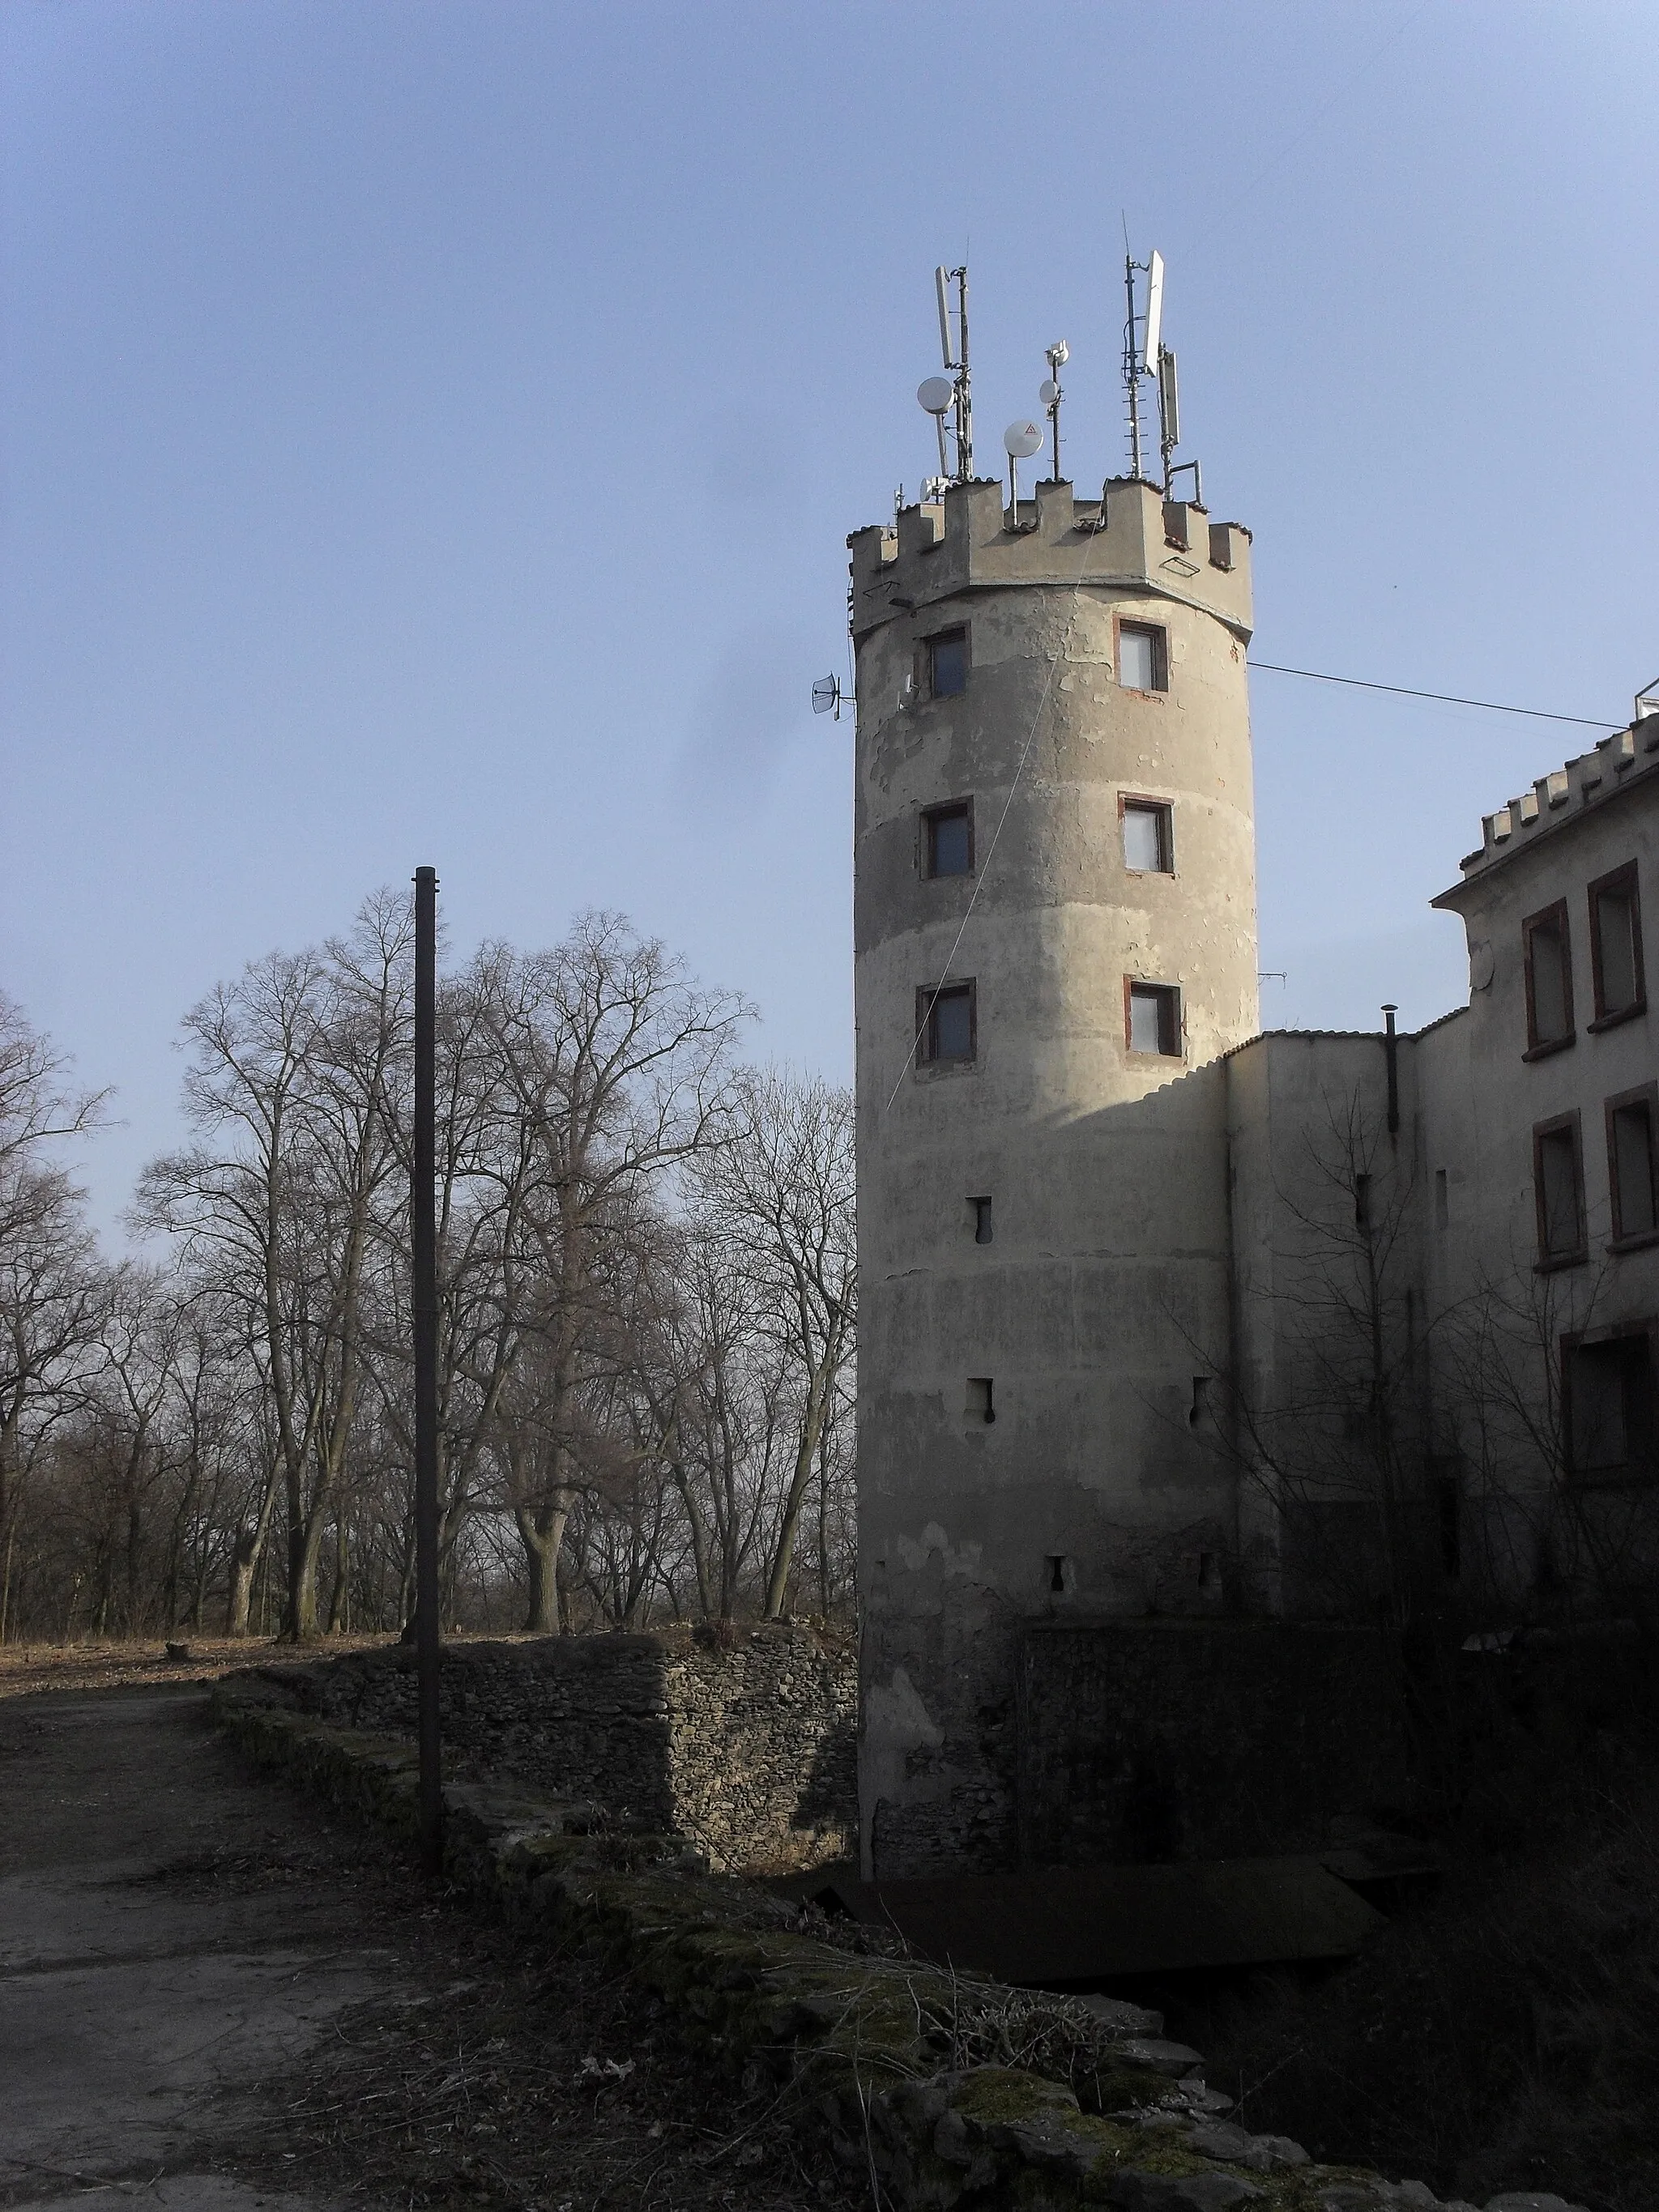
x=1164 y=1321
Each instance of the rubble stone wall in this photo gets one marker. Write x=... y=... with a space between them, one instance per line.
x=747 y=1750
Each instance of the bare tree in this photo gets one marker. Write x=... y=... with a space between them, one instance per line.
x=780 y=1198
x=54 y=1288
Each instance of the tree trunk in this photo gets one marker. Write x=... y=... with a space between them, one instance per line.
x=544 y=1540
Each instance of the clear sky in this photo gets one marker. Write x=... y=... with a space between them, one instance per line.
x=431 y=427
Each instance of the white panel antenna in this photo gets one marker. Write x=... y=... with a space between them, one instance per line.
x=942 y=287
x=1154 y=315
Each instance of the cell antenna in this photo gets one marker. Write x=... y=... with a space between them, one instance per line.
x=1049 y=394
x=1154 y=315
x=959 y=402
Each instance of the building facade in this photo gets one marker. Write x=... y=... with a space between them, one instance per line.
x=1164 y=1321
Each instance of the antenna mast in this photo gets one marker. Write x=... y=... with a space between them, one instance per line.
x=956 y=360
x=1132 y=361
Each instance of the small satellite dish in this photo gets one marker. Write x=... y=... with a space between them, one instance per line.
x=936 y=394
x=826 y=695
x=1022 y=439
x=1154 y=314
x=1048 y=392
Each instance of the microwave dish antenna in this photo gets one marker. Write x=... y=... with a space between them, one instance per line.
x=1019 y=442
x=938 y=396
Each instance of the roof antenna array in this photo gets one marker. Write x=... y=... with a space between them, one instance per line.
x=1145 y=354
x=952 y=393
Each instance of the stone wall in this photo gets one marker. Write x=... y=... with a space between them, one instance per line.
x=946 y=2093
x=1142 y=1740
x=747 y=1750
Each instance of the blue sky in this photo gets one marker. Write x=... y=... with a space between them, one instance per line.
x=428 y=432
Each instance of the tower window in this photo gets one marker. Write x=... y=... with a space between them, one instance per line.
x=947 y=663
x=1152 y=1013
x=947 y=839
x=1442 y=1200
x=981 y=1400
x=1143 y=656
x=1632 y=1168
x=981 y=1210
x=1148 y=835
x=1616 y=946
x=946 y=1023
x=1549 y=979
x=1057 y=1572
x=1558 y=1174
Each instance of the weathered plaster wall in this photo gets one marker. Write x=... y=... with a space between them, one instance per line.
x=1105 y=1291
x=748 y=1753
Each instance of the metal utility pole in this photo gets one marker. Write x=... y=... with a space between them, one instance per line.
x=423 y=1306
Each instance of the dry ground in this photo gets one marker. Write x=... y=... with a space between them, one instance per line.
x=226 y=1997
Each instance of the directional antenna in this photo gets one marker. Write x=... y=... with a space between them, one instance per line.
x=827 y=696
x=1049 y=394
x=938 y=394
x=1019 y=442
x=1154 y=315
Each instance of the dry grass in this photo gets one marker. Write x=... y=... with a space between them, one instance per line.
x=520 y=2076
x=26 y=1669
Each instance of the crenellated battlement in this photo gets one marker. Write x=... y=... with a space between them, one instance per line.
x=1129 y=539
x=1584 y=781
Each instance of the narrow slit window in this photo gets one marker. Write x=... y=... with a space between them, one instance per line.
x=1148 y=837
x=1057 y=1572
x=982 y=1399
x=947 y=839
x=1549 y=979
x=1616 y=945
x=1154 y=1018
x=1442 y=1200
x=947 y=1024
x=1362 y=1201
x=981 y=1210
x=1558 y=1188
x=1143 y=659
x=947 y=663
x=1633 y=1170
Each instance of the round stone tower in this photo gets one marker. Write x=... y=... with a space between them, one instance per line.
x=1055 y=923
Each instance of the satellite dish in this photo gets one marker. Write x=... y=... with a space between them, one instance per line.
x=1154 y=313
x=826 y=695
x=936 y=394
x=1022 y=439
x=1048 y=392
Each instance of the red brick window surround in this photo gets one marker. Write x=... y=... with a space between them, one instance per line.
x=1616 y=965
x=1633 y=1120
x=1547 y=943
x=1558 y=1182
x=1608 y=1404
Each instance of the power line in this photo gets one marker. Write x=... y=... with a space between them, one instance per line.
x=1445 y=698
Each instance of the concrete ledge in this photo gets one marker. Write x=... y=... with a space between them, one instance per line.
x=871 y=2045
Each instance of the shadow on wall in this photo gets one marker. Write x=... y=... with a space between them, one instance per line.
x=747 y=1751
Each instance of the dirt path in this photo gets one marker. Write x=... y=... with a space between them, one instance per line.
x=215 y=1995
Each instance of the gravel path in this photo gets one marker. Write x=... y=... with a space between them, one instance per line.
x=217 y=1997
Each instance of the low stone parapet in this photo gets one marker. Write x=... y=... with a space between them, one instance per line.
x=895 y=2059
